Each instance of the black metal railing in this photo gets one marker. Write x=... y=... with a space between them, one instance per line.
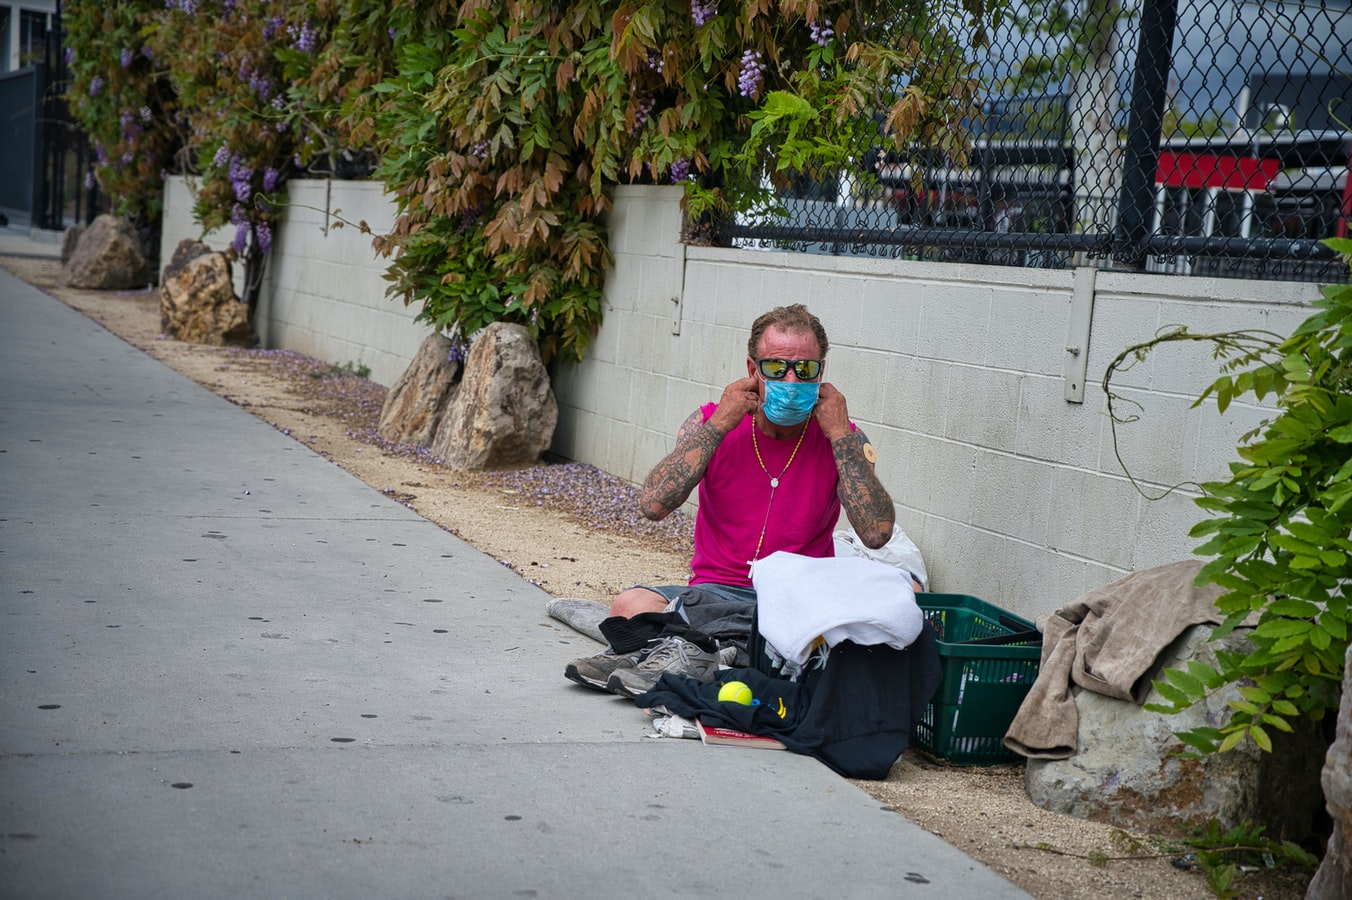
x=1180 y=136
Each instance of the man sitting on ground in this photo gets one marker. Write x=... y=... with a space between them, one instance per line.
x=775 y=460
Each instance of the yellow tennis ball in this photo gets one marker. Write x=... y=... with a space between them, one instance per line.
x=735 y=692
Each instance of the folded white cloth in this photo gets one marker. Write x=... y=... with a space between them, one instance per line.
x=802 y=598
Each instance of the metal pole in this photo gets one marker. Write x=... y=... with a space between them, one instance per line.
x=1149 y=95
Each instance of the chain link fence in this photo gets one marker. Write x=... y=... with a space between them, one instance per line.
x=1201 y=137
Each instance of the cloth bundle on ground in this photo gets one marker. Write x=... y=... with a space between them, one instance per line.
x=855 y=713
x=802 y=599
x=1108 y=642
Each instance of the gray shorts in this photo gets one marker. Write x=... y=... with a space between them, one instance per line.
x=722 y=611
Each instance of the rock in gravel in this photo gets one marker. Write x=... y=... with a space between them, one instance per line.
x=186 y=251
x=1333 y=881
x=198 y=304
x=417 y=403
x=1126 y=771
x=107 y=257
x=504 y=412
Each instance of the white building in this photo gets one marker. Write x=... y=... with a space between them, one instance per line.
x=23 y=32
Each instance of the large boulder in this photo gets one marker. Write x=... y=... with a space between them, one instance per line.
x=417 y=403
x=186 y=251
x=504 y=413
x=198 y=304
x=1333 y=881
x=1126 y=771
x=71 y=240
x=108 y=257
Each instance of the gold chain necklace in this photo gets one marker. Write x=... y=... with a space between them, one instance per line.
x=774 y=484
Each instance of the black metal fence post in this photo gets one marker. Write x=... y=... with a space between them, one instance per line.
x=1150 y=87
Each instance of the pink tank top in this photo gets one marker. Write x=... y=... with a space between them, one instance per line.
x=735 y=492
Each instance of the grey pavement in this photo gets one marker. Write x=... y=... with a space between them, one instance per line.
x=230 y=669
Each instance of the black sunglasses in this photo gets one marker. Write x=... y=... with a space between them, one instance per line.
x=775 y=369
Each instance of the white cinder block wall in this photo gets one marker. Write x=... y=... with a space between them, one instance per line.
x=324 y=291
x=957 y=373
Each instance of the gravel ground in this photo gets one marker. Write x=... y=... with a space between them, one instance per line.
x=573 y=530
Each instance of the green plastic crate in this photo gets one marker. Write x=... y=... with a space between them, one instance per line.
x=982 y=686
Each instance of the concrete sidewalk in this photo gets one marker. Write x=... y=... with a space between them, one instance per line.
x=230 y=669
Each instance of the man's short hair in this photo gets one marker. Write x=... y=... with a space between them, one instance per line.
x=787 y=318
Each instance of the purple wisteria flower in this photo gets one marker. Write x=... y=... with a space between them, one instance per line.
x=654 y=60
x=145 y=113
x=222 y=157
x=822 y=32
x=304 y=38
x=752 y=75
x=703 y=10
x=480 y=150
x=263 y=234
x=241 y=237
x=680 y=170
x=261 y=85
x=89 y=180
x=241 y=179
x=95 y=85
x=70 y=55
x=641 y=114
x=127 y=57
x=270 y=28
x=270 y=176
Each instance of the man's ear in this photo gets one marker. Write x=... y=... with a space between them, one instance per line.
x=750 y=367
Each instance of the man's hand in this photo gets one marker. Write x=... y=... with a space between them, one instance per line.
x=831 y=413
x=739 y=400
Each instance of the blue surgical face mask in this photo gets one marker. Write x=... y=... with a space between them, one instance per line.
x=790 y=402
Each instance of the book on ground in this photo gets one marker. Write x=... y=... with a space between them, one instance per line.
x=731 y=737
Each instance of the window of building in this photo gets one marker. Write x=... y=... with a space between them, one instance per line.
x=32 y=37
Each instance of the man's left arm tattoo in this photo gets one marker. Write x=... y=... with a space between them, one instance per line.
x=866 y=502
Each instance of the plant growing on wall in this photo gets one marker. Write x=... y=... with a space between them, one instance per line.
x=119 y=92
x=1280 y=533
x=508 y=121
x=500 y=124
x=235 y=65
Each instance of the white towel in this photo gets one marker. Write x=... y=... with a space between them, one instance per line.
x=802 y=598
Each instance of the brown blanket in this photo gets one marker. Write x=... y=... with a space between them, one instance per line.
x=1107 y=642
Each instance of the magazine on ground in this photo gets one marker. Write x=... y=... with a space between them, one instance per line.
x=731 y=737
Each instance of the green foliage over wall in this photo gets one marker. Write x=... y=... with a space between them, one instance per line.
x=499 y=125
x=1279 y=533
x=121 y=94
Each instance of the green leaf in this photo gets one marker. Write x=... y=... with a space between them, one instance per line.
x=1231 y=741
x=1178 y=697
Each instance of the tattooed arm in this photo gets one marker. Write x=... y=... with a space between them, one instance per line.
x=866 y=502
x=670 y=482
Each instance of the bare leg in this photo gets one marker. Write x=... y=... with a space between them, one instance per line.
x=633 y=601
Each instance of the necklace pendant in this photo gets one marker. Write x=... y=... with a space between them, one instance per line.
x=774 y=483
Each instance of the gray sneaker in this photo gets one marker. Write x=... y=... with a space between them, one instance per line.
x=673 y=654
x=595 y=671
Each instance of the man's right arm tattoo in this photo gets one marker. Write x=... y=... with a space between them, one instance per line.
x=670 y=482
